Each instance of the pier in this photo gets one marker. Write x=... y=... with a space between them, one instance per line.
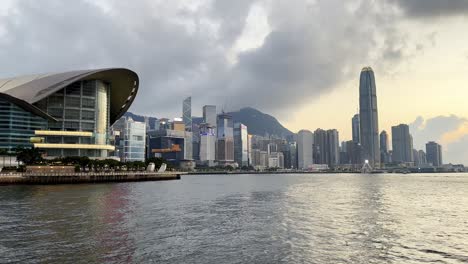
x=74 y=178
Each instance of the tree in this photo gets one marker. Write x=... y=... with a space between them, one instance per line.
x=29 y=156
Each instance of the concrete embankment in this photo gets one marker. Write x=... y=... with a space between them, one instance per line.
x=70 y=178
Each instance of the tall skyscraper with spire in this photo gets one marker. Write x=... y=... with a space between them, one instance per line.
x=368 y=117
x=187 y=113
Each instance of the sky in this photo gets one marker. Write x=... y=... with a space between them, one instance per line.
x=298 y=60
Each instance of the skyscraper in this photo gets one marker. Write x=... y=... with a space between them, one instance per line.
x=355 y=127
x=333 y=148
x=207 y=144
x=209 y=114
x=305 y=142
x=384 y=147
x=368 y=117
x=434 y=153
x=187 y=113
x=241 y=154
x=225 y=134
x=320 y=146
x=402 y=144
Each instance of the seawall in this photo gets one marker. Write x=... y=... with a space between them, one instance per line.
x=74 y=178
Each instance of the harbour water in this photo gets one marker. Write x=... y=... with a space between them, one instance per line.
x=307 y=218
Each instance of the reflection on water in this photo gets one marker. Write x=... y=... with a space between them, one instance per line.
x=240 y=219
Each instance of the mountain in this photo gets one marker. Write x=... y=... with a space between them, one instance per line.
x=257 y=123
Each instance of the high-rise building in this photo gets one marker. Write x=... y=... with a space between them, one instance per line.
x=320 y=146
x=293 y=156
x=356 y=129
x=402 y=144
x=241 y=153
x=130 y=139
x=368 y=117
x=169 y=143
x=209 y=114
x=249 y=149
x=187 y=113
x=333 y=148
x=305 y=141
x=196 y=141
x=422 y=158
x=207 y=144
x=384 y=147
x=354 y=151
x=434 y=154
x=225 y=142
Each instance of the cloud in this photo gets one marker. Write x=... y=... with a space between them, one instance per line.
x=433 y=8
x=182 y=48
x=449 y=131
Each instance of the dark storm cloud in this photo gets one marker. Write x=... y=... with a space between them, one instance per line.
x=433 y=8
x=181 y=51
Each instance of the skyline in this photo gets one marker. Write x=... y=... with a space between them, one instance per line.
x=237 y=53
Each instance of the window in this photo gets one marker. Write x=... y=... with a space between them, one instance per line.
x=71 y=125
x=72 y=101
x=70 y=140
x=73 y=89
x=87 y=115
x=88 y=88
x=54 y=140
x=72 y=114
x=137 y=138
x=87 y=103
x=70 y=152
x=85 y=140
x=56 y=112
x=87 y=126
x=55 y=101
x=55 y=125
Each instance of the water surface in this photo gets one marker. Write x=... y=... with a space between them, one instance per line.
x=317 y=218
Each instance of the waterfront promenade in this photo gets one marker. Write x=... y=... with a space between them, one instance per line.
x=69 y=178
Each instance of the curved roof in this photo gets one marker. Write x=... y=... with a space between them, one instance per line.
x=26 y=90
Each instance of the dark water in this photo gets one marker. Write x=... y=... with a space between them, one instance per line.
x=240 y=219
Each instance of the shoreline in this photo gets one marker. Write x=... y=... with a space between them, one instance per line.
x=309 y=172
x=80 y=178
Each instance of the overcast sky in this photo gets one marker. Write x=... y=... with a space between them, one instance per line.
x=298 y=60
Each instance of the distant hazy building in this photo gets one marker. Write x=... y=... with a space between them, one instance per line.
x=187 y=113
x=225 y=141
x=276 y=160
x=209 y=114
x=402 y=144
x=419 y=158
x=333 y=148
x=241 y=145
x=293 y=156
x=305 y=142
x=320 y=146
x=355 y=128
x=368 y=117
x=130 y=139
x=434 y=153
x=196 y=141
x=354 y=151
x=207 y=144
x=422 y=157
x=384 y=158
